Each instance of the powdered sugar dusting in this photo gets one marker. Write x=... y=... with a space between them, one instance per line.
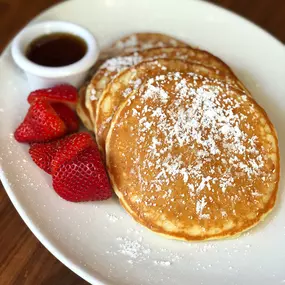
x=200 y=205
x=133 y=43
x=116 y=64
x=133 y=249
x=113 y=218
x=137 y=250
x=93 y=94
x=191 y=132
x=130 y=42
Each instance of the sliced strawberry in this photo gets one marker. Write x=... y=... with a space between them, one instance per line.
x=68 y=116
x=40 y=124
x=26 y=132
x=43 y=153
x=61 y=93
x=69 y=147
x=83 y=178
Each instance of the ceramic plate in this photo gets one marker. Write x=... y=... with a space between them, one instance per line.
x=98 y=240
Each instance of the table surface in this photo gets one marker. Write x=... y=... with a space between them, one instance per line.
x=23 y=260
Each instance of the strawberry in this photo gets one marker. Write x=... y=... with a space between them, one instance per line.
x=83 y=177
x=40 y=124
x=43 y=153
x=69 y=147
x=61 y=93
x=68 y=116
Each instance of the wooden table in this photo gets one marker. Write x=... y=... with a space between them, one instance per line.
x=23 y=260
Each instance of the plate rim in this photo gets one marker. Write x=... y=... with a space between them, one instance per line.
x=28 y=219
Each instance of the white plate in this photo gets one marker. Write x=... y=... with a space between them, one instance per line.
x=99 y=241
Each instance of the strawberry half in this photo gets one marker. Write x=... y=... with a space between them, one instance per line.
x=69 y=147
x=43 y=153
x=40 y=124
x=82 y=178
x=61 y=93
x=68 y=116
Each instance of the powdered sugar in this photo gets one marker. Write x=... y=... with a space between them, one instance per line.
x=116 y=64
x=93 y=98
x=133 y=249
x=197 y=113
x=130 y=42
x=162 y=262
x=137 y=250
x=113 y=218
x=133 y=43
x=200 y=205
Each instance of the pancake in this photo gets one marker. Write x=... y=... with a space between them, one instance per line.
x=141 y=41
x=131 y=78
x=113 y=66
x=193 y=158
x=122 y=54
x=102 y=77
x=81 y=110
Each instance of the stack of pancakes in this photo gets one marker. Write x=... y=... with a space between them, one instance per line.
x=189 y=152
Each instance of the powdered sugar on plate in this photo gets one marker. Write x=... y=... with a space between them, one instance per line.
x=137 y=250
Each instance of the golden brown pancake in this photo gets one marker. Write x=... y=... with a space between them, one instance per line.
x=142 y=41
x=125 y=53
x=113 y=66
x=193 y=158
x=102 y=77
x=128 y=80
x=81 y=109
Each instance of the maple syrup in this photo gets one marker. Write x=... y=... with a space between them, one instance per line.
x=56 y=50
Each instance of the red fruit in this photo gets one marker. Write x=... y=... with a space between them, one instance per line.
x=82 y=178
x=42 y=154
x=40 y=124
x=68 y=116
x=61 y=93
x=69 y=147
